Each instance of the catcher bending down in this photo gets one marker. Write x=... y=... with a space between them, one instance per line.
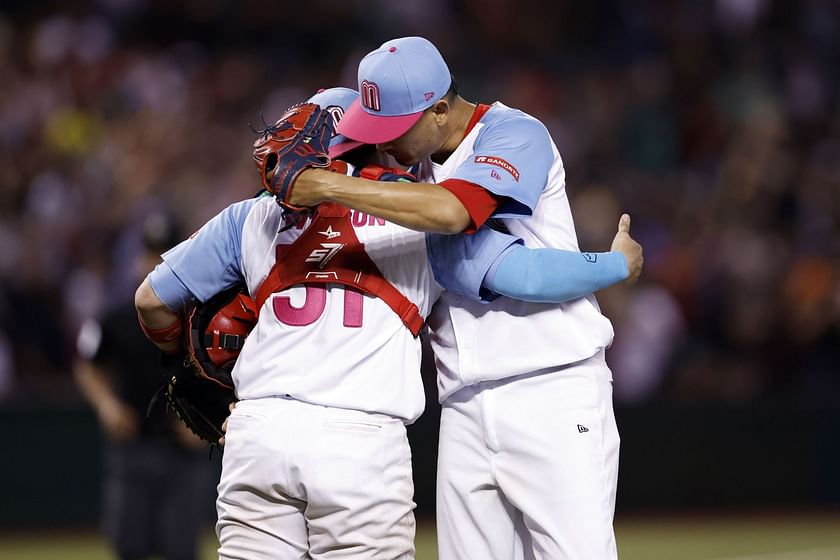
x=316 y=460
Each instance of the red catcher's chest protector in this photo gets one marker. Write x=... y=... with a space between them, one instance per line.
x=312 y=260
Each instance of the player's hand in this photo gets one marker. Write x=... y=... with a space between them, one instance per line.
x=224 y=424
x=118 y=420
x=628 y=246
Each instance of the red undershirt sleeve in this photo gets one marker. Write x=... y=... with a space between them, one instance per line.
x=479 y=202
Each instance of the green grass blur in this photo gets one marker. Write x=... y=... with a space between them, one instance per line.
x=770 y=537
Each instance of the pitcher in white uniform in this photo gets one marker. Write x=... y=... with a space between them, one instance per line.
x=316 y=460
x=528 y=457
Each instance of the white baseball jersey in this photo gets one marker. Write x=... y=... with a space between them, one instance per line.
x=528 y=453
x=321 y=344
x=511 y=154
x=350 y=350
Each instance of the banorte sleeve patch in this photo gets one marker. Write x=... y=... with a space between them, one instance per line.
x=499 y=162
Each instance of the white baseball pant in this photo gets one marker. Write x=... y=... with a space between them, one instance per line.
x=528 y=467
x=307 y=481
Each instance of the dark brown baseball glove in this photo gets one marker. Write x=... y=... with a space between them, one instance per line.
x=199 y=386
x=298 y=140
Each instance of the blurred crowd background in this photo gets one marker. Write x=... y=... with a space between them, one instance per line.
x=716 y=125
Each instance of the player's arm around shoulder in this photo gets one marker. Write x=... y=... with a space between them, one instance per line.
x=418 y=206
x=557 y=276
x=492 y=263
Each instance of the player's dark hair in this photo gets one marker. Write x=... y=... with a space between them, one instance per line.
x=452 y=92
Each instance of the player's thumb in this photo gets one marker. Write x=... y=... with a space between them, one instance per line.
x=624 y=223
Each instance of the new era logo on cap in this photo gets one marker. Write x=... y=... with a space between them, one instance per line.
x=397 y=82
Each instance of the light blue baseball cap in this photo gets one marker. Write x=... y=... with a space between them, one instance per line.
x=397 y=82
x=337 y=101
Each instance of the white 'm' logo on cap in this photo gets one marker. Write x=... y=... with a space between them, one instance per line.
x=370 y=96
x=336 y=112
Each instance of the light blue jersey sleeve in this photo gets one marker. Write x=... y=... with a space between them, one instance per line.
x=460 y=262
x=512 y=158
x=205 y=264
x=490 y=263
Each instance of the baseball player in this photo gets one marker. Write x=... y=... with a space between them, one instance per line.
x=528 y=456
x=316 y=459
x=316 y=462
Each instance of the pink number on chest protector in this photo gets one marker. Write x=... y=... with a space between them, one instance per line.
x=314 y=305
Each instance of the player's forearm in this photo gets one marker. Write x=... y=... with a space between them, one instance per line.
x=162 y=326
x=418 y=206
x=553 y=275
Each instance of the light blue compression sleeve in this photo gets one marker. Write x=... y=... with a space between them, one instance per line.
x=552 y=275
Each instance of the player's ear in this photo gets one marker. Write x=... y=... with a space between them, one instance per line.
x=440 y=110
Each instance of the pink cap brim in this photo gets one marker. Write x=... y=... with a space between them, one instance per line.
x=363 y=127
x=340 y=149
